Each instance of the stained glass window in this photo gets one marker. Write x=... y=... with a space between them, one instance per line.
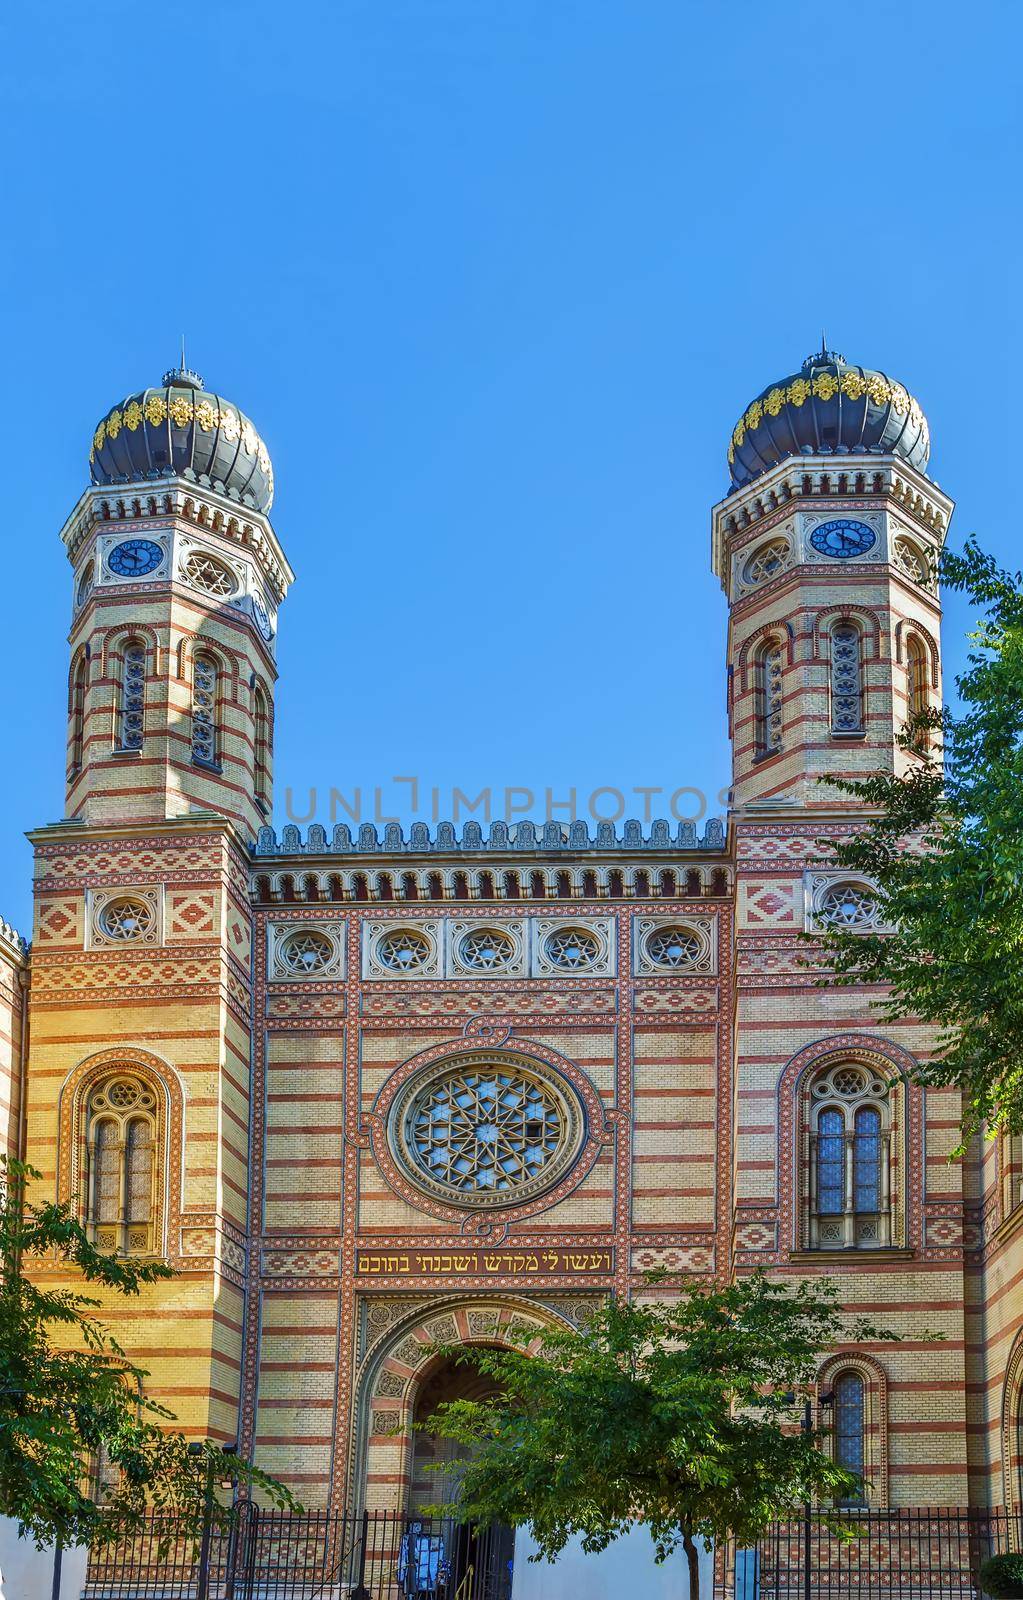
x=846 y=679
x=769 y=671
x=867 y=1159
x=204 y=709
x=131 y=718
x=831 y=1163
x=849 y=1419
x=121 y=1144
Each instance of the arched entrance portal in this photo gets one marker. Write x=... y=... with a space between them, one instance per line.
x=478 y=1563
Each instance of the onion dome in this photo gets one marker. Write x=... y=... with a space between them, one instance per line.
x=828 y=408
x=183 y=431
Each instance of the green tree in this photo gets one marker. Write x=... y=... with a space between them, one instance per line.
x=944 y=843
x=678 y=1415
x=68 y=1392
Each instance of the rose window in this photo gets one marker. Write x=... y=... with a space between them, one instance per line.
x=573 y=949
x=673 y=947
x=127 y=918
x=208 y=574
x=486 y=949
x=767 y=561
x=403 y=951
x=912 y=561
x=123 y=1094
x=306 y=952
x=848 y=905
x=486 y=1130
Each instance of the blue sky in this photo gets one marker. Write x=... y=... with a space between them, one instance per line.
x=494 y=281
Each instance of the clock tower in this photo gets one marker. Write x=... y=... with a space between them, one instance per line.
x=827 y=548
x=178 y=576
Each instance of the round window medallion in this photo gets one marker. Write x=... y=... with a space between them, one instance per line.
x=127 y=918
x=209 y=574
x=486 y=1130
x=306 y=951
x=572 y=949
x=674 y=947
x=403 y=950
x=848 y=905
x=486 y=949
x=767 y=561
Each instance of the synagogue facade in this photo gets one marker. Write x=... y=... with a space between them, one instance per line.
x=367 y=1090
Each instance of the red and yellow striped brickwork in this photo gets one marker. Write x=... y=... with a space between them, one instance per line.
x=316 y=1268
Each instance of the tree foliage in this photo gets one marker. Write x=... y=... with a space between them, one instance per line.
x=68 y=1392
x=944 y=843
x=677 y=1414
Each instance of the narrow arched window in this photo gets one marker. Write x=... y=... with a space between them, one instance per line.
x=131 y=711
x=768 y=671
x=850 y=1187
x=916 y=687
x=846 y=679
x=79 y=682
x=205 y=694
x=122 y=1143
x=849 y=1427
x=261 y=736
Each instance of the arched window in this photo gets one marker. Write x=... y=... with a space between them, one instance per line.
x=849 y=1157
x=849 y=1392
x=261 y=734
x=122 y=1149
x=916 y=686
x=205 y=693
x=768 y=671
x=846 y=679
x=131 y=710
x=79 y=682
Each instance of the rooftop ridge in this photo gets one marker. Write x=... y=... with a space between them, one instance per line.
x=525 y=835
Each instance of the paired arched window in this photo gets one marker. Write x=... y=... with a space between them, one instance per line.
x=846 y=679
x=849 y=1158
x=205 y=706
x=131 y=707
x=768 y=675
x=123 y=1158
x=79 y=684
x=261 y=737
x=916 y=686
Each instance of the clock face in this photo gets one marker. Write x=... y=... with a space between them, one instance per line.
x=134 y=558
x=262 y=617
x=843 y=538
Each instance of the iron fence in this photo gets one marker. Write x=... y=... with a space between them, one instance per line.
x=907 y=1554
x=274 y=1555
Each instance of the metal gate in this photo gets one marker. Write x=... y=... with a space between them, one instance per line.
x=273 y=1555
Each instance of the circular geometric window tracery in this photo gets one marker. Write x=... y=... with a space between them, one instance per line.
x=848 y=905
x=486 y=949
x=306 y=952
x=767 y=561
x=674 y=947
x=209 y=574
x=127 y=918
x=486 y=1130
x=573 y=949
x=404 y=950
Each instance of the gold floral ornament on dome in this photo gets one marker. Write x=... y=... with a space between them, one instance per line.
x=156 y=410
x=879 y=389
x=799 y=391
x=853 y=386
x=249 y=438
x=206 y=416
x=825 y=386
x=132 y=416
x=739 y=432
x=113 y=424
x=900 y=399
x=99 y=438
x=774 y=401
x=180 y=410
x=229 y=424
x=754 y=415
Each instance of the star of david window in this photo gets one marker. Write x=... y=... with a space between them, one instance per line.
x=673 y=947
x=572 y=949
x=404 y=950
x=486 y=1130
x=306 y=952
x=209 y=574
x=767 y=561
x=127 y=918
x=486 y=949
x=848 y=905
